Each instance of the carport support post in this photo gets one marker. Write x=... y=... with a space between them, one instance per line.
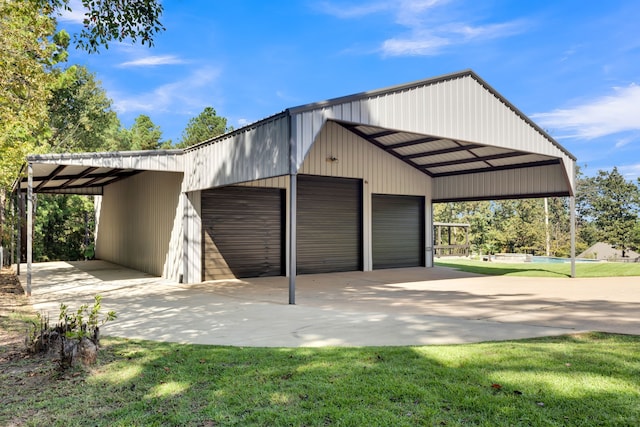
x=19 y=233
x=293 y=202
x=572 y=216
x=29 y=225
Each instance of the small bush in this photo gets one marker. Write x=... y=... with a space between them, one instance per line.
x=74 y=339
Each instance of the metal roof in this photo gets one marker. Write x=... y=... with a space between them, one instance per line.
x=74 y=179
x=89 y=173
x=429 y=82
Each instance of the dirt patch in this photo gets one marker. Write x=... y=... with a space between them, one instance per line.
x=14 y=309
x=22 y=373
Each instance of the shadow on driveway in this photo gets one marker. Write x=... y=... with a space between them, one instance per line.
x=412 y=306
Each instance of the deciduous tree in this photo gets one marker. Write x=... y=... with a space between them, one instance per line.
x=115 y=20
x=612 y=204
x=80 y=113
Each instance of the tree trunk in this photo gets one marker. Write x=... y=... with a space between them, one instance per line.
x=3 y=198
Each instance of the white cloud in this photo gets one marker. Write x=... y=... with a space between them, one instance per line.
x=76 y=15
x=431 y=41
x=152 y=61
x=405 y=10
x=598 y=117
x=631 y=172
x=190 y=92
x=418 y=44
x=414 y=13
x=428 y=27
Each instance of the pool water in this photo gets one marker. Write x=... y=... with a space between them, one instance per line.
x=557 y=260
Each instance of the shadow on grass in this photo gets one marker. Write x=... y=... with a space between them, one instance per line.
x=502 y=270
x=552 y=381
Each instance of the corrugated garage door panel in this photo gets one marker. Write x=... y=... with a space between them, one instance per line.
x=242 y=230
x=397 y=231
x=329 y=224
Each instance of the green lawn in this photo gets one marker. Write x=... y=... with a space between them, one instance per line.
x=599 y=269
x=590 y=379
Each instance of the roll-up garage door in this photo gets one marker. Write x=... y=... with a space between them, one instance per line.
x=329 y=224
x=243 y=232
x=397 y=231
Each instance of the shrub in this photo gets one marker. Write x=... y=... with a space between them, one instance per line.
x=74 y=339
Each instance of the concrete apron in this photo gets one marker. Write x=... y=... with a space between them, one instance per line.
x=412 y=306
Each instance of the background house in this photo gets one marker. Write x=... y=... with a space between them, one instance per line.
x=606 y=252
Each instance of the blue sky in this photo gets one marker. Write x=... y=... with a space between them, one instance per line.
x=572 y=66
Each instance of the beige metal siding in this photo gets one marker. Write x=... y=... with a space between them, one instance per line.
x=253 y=153
x=357 y=158
x=532 y=182
x=192 y=239
x=141 y=224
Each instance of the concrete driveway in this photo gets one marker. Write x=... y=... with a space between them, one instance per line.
x=413 y=306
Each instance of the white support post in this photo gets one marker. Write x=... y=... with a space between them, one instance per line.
x=293 y=210
x=428 y=233
x=186 y=235
x=29 y=225
x=572 y=215
x=367 y=237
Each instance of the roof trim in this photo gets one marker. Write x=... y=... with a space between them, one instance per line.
x=500 y=197
x=102 y=155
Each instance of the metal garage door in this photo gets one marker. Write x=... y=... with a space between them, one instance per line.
x=397 y=231
x=329 y=224
x=242 y=230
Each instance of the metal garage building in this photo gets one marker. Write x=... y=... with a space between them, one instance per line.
x=340 y=185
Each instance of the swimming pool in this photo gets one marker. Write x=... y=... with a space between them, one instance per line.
x=558 y=260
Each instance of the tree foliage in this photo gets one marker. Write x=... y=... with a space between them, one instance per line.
x=115 y=20
x=45 y=108
x=204 y=126
x=63 y=227
x=80 y=113
x=607 y=211
x=145 y=135
x=612 y=204
x=27 y=53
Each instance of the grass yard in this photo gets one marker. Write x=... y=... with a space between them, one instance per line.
x=528 y=269
x=591 y=379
